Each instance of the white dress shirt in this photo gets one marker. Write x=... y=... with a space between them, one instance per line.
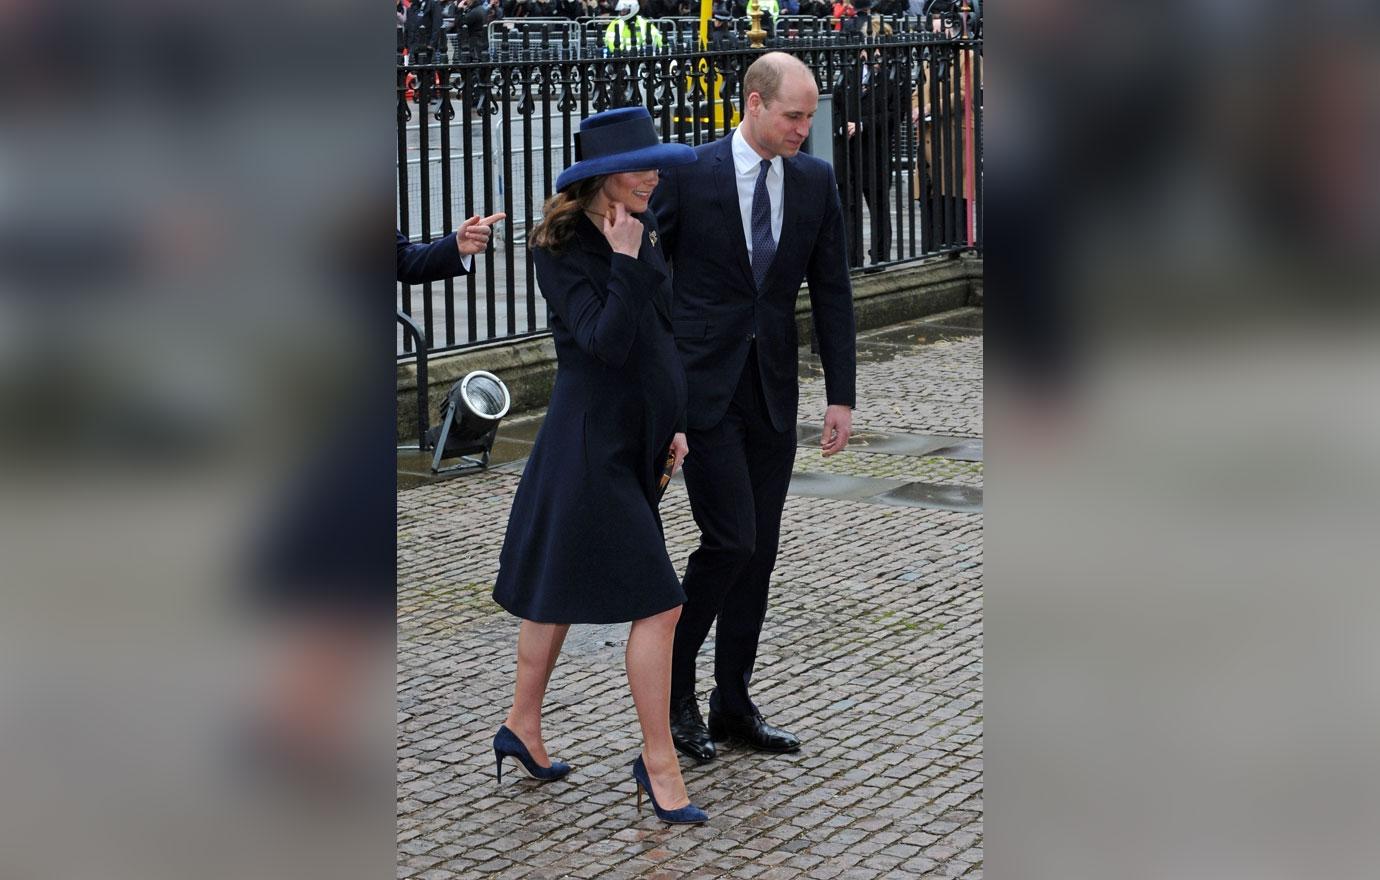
x=747 y=163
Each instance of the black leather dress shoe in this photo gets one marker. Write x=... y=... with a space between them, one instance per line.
x=754 y=731
x=688 y=731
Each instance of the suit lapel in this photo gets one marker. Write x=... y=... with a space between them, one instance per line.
x=792 y=185
x=726 y=188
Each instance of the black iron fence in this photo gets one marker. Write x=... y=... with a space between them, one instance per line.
x=478 y=137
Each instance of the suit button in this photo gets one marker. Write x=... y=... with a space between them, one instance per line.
x=750 y=337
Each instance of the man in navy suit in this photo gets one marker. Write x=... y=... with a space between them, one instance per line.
x=743 y=227
x=444 y=257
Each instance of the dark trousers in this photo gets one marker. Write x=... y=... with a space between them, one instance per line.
x=877 y=192
x=737 y=474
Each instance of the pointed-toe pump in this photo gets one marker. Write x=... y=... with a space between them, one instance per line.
x=507 y=745
x=687 y=815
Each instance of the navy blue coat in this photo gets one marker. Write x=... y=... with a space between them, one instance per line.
x=432 y=261
x=584 y=541
x=719 y=310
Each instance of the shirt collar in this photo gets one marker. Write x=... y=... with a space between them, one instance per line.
x=745 y=158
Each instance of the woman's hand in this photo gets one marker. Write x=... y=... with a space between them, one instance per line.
x=624 y=232
x=681 y=449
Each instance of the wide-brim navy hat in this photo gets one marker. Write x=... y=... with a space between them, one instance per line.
x=620 y=140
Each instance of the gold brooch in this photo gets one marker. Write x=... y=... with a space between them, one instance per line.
x=652 y=236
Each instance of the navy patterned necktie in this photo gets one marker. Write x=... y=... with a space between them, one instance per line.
x=763 y=245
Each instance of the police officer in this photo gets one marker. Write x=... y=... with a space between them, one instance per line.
x=771 y=11
x=721 y=25
x=631 y=31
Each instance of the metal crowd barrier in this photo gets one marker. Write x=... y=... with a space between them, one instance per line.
x=556 y=37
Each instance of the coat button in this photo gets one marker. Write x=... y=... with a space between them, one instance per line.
x=750 y=337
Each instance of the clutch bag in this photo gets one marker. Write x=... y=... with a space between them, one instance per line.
x=666 y=470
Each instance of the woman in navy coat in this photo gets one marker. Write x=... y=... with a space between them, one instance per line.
x=584 y=541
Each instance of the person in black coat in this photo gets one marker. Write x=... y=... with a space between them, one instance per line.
x=584 y=541
x=721 y=24
x=424 y=24
x=471 y=26
x=744 y=226
x=866 y=128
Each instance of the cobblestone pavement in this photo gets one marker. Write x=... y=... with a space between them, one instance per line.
x=872 y=653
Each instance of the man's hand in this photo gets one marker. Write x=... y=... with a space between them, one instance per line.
x=838 y=425
x=681 y=449
x=473 y=235
x=852 y=129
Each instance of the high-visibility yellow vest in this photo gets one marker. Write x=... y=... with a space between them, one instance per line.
x=618 y=36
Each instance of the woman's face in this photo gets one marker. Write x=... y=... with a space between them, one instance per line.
x=632 y=188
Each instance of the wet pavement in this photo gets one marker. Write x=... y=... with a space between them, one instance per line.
x=872 y=654
x=516 y=435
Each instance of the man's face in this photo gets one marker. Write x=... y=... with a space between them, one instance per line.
x=781 y=126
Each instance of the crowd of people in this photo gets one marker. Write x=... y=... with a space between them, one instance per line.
x=433 y=26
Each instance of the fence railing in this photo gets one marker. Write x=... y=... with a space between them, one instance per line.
x=486 y=136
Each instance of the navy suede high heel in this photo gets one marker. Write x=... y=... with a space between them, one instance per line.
x=507 y=745
x=686 y=815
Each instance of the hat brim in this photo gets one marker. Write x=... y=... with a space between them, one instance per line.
x=658 y=156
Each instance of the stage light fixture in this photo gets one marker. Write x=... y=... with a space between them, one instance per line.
x=474 y=407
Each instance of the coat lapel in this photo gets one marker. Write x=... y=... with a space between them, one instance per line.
x=592 y=240
x=726 y=187
x=652 y=256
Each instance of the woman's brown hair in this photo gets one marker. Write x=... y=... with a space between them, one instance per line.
x=562 y=211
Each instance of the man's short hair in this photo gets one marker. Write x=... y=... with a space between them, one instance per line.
x=765 y=74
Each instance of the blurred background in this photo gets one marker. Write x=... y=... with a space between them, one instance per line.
x=195 y=379
x=1183 y=443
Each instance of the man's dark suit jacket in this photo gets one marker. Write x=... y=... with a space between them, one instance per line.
x=434 y=261
x=717 y=310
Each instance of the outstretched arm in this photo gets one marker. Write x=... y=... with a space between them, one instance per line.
x=445 y=257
